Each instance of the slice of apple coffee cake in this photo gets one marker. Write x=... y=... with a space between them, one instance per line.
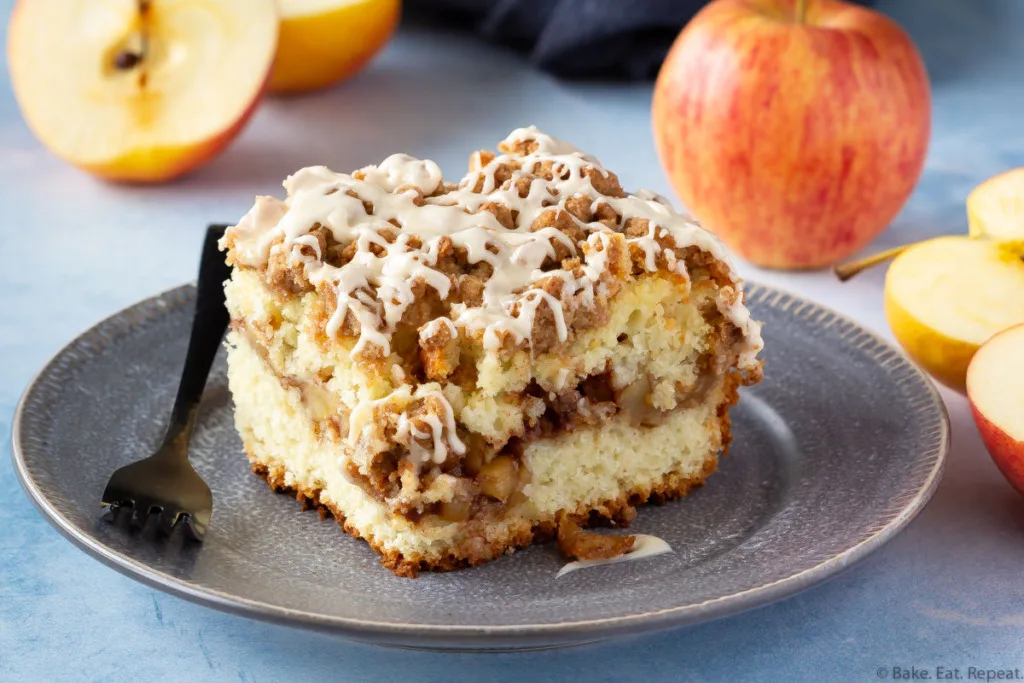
x=454 y=370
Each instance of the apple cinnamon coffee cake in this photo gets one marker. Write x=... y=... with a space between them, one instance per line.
x=455 y=370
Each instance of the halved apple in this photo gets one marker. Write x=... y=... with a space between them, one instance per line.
x=995 y=387
x=996 y=207
x=947 y=296
x=140 y=90
x=325 y=41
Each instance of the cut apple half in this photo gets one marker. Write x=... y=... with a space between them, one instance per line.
x=140 y=90
x=995 y=387
x=947 y=296
x=323 y=42
x=996 y=207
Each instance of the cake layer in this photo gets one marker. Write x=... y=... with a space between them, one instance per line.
x=656 y=332
x=664 y=344
x=454 y=368
x=591 y=469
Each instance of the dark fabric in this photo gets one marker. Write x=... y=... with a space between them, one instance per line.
x=606 y=39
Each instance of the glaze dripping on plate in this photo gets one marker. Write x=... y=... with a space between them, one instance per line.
x=644 y=546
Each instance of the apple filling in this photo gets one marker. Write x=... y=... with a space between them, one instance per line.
x=486 y=475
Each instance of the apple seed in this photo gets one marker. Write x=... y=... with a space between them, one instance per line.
x=127 y=59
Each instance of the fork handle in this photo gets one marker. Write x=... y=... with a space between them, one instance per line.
x=209 y=324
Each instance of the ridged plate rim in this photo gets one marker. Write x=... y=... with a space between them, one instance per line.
x=518 y=636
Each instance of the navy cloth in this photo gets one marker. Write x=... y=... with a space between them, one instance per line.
x=607 y=39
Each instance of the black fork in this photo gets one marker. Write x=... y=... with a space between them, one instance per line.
x=165 y=483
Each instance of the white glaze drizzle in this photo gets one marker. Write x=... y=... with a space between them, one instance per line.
x=431 y=329
x=440 y=432
x=644 y=546
x=376 y=290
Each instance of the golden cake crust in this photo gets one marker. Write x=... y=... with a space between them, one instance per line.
x=616 y=512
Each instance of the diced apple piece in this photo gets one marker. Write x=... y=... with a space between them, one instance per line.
x=455 y=510
x=499 y=477
x=320 y=402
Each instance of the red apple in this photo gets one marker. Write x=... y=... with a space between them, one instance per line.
x=140 y=90
x=794 y=130
x=995 y=387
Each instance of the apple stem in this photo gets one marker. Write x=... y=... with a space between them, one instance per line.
x=844 y=271
x=801 y=9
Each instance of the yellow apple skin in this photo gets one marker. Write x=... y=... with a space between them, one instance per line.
x=944 y=358
x=797 y=143
x=1007 y=451
x=316 y=51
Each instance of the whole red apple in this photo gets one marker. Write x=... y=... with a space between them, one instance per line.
x=793 y=129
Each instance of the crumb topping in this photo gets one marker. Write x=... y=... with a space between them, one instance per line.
x=577 y=544
x=526 y=251
x=422 y=420
x=529 y=243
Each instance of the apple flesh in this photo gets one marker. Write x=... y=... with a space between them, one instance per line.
x=947 y=296
x=995 y=387
x=139 y=90
x=996 y=207
x=322 y=42
x=796 y=141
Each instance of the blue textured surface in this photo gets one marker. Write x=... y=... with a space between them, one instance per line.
x=947 y=592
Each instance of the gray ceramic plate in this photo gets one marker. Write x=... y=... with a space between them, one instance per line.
x=834 y=452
